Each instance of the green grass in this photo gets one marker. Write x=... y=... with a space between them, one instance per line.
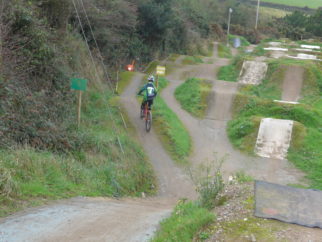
x=231 y=72
x=273 y=12
x=193 y=95
x=192 y=60
x=228 y=73
x=224 y=51
x=125 y=78
x=297 y=3
x=263 y=230
x=151 y=68
x=173 y=134
x=173 y=57
x=100 y=168
x=186 y=220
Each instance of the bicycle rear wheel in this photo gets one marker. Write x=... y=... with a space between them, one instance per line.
x=148 y=121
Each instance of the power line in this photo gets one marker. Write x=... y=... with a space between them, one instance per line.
x=86 y=41
x=92 y=32
x=96 y=72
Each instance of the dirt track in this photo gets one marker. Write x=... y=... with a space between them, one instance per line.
x=209 y=135
x=292 y=84
x=90 y=219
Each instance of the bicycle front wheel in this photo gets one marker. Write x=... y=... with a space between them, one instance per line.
x=148 y=121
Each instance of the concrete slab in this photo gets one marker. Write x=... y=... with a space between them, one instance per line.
x=252 y=72
x=311 y=47
x=274 y=138
x=286 y=102
x=302 y=56
x=288 y=204
x=276 y=49
x=273 y=43
x=306 y=50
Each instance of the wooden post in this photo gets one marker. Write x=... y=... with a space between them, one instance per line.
x=117 y=81
x=79 y=108
x=157 y=82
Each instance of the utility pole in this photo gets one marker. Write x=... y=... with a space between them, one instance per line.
x=257 y=14
x=229 y=17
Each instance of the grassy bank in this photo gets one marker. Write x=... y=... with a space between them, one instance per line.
x=98 y=168
x=231 y=72
x=224 y=51
x=193 y=95
x=125 y=79
x=298 y=3
x=192 y=60
x=186 y=220
x=170 y=129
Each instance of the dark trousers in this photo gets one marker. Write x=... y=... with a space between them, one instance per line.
x=150 y=103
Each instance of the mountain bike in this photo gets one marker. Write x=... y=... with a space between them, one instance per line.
x=147 y=115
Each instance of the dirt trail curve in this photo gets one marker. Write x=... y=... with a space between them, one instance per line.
x=99 y=219
x=209 y=135
x=292 y=84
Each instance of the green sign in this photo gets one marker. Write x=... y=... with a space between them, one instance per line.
x=79 y=84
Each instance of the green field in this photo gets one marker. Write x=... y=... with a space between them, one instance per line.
x=297 y=3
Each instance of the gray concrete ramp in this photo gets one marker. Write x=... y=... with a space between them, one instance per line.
x=274 y=138
x=288 y=204
x=252 y=72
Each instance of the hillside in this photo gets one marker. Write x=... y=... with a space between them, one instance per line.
x=297 y=3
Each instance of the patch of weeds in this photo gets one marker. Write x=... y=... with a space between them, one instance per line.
x=242 y=177
x=125 y=79
x=204 y=235
x=228 y=73
x=259 y=51
x=152 y=67
x=193 y=96
x=192 y=60
x=224 y=51
x=231 y=72
x=221 y=200
x=209 y=183
x=245 y=229
x=243 y=133
x=173 y=57
x=186 y=220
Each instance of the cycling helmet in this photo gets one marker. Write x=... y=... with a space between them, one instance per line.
x=151 y=78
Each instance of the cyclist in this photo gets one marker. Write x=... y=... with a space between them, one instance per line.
x=149 y=93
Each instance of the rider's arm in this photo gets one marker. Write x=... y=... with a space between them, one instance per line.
x=142 y=89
